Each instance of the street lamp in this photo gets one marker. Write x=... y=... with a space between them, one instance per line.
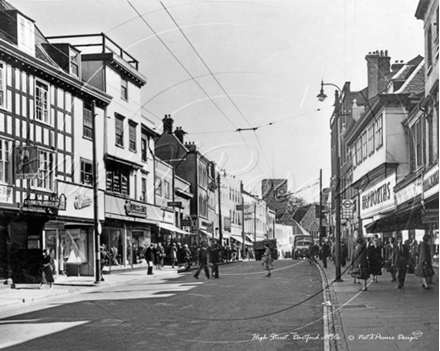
x=336 y=193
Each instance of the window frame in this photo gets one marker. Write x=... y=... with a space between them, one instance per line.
x=87 y=117
x=379 y=132
x=144 y=149
x=84 y=173
x=124 y=89
x=45 y=110
x=132 y=136
x=47 y=182
x=119 y=137
x=158 y=186
x=5 y=161
x=115 y=174
x=2 y=85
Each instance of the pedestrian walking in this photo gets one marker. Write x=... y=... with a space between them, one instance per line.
x=187 y=257
x=399 y=260
x=180 y=258
x=161 y=255
x=267 y=259
x=388 y=255
x=360 y=269
x=424 y=264
x=103 y=258
x=375 y=259
x=157 y=256
x=214 y=258
x=47 y=270
x=149 y=257
x=343 y=254
x=413 y=253
x=203 y=261
x=325 y=252
x=173 y=255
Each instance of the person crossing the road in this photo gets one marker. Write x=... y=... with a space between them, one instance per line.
x=214 y=258
x=267 y=259
x=203 y=261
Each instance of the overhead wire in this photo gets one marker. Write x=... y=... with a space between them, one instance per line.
x=189 y=73
x=215 y=78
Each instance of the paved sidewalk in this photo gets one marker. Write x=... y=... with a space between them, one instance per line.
x=384 y=317
x=24 y=293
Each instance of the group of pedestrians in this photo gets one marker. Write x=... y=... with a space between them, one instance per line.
x=397 y=257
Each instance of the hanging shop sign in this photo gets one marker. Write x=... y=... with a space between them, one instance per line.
x=135 y=209
x=26 y=162
x=6 y=194
x=430 y=182
x=52 y=202
x=379 y=198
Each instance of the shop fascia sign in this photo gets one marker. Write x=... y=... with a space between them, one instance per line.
x=135 y=209
x=53 y=202
x=430 y=182
x=81 y=201
x=378 y=198
x=409 y=192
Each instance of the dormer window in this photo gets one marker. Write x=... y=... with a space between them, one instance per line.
x=26 y=35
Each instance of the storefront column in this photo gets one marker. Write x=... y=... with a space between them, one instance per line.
x=124 y=245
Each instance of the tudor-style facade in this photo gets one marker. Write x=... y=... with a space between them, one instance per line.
x=42 y=109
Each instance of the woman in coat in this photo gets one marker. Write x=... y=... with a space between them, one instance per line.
x=267 y=259
x=424 y=264
x=46 y=274
x=360 y=267
x=375 y=259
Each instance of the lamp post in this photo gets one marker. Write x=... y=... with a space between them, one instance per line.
x=336 y=181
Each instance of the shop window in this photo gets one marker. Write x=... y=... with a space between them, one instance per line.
x=119 y=130
x=2 y=85
x=86 y=172
x=117 y=179
x=42 y=102
x=5 y=161
x=75 y=246
x=87 y=121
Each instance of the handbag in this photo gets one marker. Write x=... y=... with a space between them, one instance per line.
x=356 y=272
x=427 y=270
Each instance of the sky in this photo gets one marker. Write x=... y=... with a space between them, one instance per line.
x=241 y=77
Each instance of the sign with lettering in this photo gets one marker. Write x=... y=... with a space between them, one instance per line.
x=347 y=207
x=135 y=209
x=51 y=203
x=430 y=216
x=81 y=201
x=409 y=192
x=378 y=198
x=430 y=182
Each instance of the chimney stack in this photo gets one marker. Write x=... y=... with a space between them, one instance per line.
x=167 y=124
x=378 y=66
x=396 y=66
x=180 y=133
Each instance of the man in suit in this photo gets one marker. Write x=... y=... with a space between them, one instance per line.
x=214 y=258
x=203 y=261
x=325 y=253
x=400 y=260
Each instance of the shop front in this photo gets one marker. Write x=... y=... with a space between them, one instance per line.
x=377 y=205
x=70 y=236
x=430 y=214
x=127 y=231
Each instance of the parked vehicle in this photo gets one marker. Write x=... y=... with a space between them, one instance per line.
x=259 y=248
x=301 y=245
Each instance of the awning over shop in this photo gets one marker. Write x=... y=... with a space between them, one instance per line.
x=238 y=238
x=204 y=232
x=171 y=228
x=410 y=219
x=250 y=238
